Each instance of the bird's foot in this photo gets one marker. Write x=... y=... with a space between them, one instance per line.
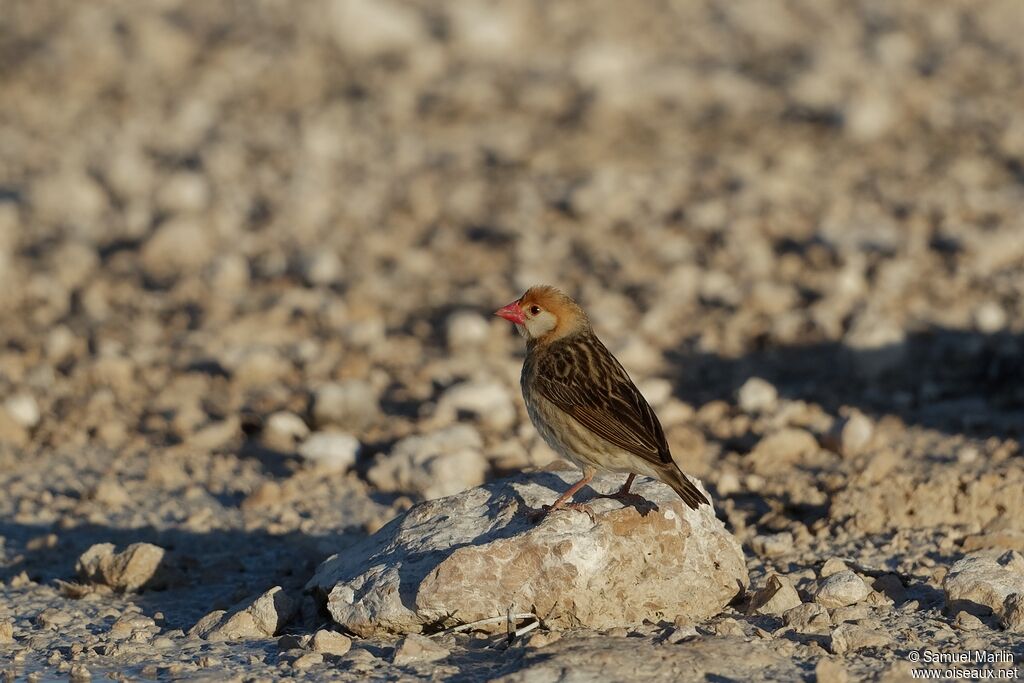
x=538 y=515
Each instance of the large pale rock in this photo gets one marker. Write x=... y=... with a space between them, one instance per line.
x=488 y=401
x=471 y=555
x=841 y=589
x=332 y=451
x=781 y=449
x=417 y=648
x=757 y=396
x=179 y=246
x=350 y=405
x=136 y=567
x=981 y=582
x=776 y=597
x=1012 y=617
x=258 y=618
x=433 y=465
x=853 y=637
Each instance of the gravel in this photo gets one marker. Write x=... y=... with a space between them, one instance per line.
x=235 y=235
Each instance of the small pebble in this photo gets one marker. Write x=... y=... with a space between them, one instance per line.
x=965 y=621
x=772 y=545
x=841 y=589
x=416 y=648
x=308 y=660
x=466 y=329
x=23 y=409
x=331 y=642
x=757 y=396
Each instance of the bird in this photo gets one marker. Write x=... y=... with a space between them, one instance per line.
x=583 y=402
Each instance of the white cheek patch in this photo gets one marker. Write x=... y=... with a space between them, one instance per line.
x=541 y=325
x=521 y=329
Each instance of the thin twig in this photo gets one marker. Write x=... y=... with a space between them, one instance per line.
x=526 y=629
x=480 y=622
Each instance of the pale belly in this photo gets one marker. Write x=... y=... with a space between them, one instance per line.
x=579 y=445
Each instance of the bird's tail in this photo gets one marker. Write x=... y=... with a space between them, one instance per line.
x=690 y=494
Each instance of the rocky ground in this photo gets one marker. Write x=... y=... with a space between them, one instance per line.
x=248 y=253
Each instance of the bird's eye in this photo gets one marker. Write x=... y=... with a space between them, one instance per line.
x=534 y=310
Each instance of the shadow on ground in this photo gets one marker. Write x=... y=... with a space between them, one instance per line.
x=209 y=570
x=950 y=380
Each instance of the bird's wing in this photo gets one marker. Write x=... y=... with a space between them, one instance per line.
x=583 y=379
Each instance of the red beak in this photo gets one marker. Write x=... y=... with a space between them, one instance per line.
x=512 y=313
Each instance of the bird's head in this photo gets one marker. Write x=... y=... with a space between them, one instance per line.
x=545 y=314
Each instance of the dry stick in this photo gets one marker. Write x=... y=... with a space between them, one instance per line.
x=492 y=620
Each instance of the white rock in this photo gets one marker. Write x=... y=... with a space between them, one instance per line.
x=470 y=556
x=982 y=582
x=127 y=571
x=433 y=465
x=307 y=661
x=334 y=451
x=110 y=493
x=23 y=409
x=777 y=596
x=60 y=343
x=487 y=400
x=807 y=618
x=331 y=642
x=179 y=246
x=990 y=317
x=657 y=390
x=772 y=545
x=850 y=613
x=781 y=448
x=870 y=115
x=466 y=329
x=259 y=618
x=351 y=404
x=841 y=589
x=417 y=648
x=73 y=263
x=832 y=565
x=965 y=621
x=1012 y=614
x=855 y=433
x=184 y=191
x=853 y=637
x=322 y=268
x=284 y=430
x=231 y=274
x=259 y=366
x=368 y=27
x=79 y=673
x=967 y=454
x=365 y=332
x=728 y=484
x=758 y=396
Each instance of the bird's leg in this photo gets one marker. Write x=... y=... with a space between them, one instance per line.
x=561 y=504
x=629 y=482
x=623 y=493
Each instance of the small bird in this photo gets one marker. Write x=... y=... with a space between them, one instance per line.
x=583 y=403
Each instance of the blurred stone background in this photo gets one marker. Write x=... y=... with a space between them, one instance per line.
x=249 y=251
